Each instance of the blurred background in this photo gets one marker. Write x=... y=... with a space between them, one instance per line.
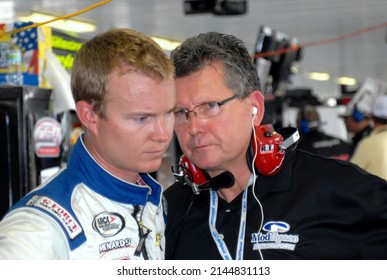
x=306 y=21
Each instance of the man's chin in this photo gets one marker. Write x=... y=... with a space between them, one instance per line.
x=203 y=162
x=152 y=167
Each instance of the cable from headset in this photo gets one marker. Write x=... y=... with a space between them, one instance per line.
x=255 y=177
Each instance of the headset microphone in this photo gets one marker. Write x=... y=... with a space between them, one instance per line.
x=221 y=181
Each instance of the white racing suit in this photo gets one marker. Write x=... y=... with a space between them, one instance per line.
x=84 y=212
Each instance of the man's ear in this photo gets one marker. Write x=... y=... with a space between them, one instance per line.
x=87 y=116
x=258 y=101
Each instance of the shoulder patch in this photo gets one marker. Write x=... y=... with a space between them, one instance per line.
x=69 y=223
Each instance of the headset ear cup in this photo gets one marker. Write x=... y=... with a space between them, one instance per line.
x=269 y=159
x=357 y=115
x=304 y=127
x=195 y=174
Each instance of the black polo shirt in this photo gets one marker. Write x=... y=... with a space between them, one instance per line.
x=314 y=208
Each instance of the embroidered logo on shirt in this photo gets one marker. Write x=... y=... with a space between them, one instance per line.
x=276 y=227
x=115 y=244
x=108 y=223
x=275 y=237
x=69 y=223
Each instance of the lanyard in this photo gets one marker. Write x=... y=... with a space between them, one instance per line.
x=222 y=247
x=137 y=213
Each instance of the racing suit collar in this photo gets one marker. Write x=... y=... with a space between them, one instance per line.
x=104 y=183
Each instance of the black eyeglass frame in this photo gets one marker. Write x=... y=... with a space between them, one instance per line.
x=186 y=112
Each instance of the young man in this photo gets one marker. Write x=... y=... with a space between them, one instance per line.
x=311 y=207
x=104 y=205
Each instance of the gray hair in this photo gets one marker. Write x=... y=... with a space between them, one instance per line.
x=240 y=73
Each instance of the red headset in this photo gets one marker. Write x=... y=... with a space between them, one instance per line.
x=268 y=146
x=268 y=150
x=194 y=173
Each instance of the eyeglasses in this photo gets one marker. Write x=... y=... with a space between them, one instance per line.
x=202 y=111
